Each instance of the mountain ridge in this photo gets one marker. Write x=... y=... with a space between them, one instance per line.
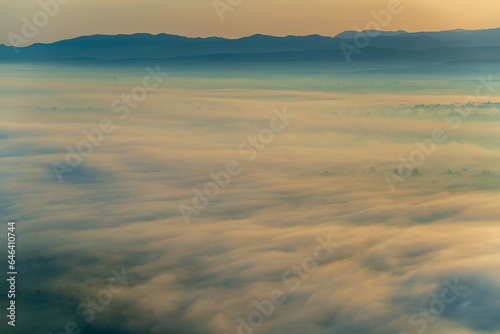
x=423 y=47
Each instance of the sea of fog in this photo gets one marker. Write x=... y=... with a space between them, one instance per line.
x=159 y=202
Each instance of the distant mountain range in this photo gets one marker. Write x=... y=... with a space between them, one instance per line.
x=418 y=47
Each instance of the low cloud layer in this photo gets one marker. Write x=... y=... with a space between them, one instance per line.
x=322 y=177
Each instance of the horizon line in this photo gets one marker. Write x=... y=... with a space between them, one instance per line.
x=255 y=34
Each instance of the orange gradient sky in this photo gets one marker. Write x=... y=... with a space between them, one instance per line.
x=277 y=17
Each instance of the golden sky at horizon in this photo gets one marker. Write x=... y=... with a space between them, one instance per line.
x=198 y=18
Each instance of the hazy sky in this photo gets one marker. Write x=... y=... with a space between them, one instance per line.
x=277 y=17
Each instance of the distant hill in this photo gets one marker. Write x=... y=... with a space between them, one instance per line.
x=165 y=45
x=417 y=48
